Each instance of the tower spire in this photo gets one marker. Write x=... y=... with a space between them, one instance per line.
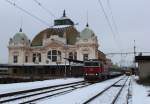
x=87 y=24
x=64 y=13
x=21 y=25
x=20 y=29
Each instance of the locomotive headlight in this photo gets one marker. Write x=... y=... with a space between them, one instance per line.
x=96 y=74
x=86 y=74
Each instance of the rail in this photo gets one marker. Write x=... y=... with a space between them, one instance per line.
x=116 y=97
x=92 y=98
x=39 y=91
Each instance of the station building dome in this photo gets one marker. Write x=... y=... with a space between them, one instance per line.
x=20 y=36
x=87 y=33
x=63 y=27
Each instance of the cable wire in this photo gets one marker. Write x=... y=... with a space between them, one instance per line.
x=48 y=11
x=113 y=21
x=109 y=23
x=25 y=11
x=107 y=19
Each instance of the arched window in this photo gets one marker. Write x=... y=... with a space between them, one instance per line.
x=36 y=57
x=73 y=55
x=15 y=59
x=26 y=59
x=49 y=55
x=39 y=57
x=85 y=56
x=59 y=56
x=54 y=55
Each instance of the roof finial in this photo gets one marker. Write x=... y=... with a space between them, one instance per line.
x=20 y=30
x=87 y=24
x=21 y=25
x=64 y=13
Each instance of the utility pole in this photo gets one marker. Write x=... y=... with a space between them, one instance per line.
x=134 y=49
x=65 y=47
x=134 y=54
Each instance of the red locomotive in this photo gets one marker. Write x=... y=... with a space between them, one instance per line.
x=94 y=70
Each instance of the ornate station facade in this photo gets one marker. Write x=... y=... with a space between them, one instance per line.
x=45 y=56
x=54 y=44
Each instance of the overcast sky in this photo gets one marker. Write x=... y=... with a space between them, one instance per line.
x=132 y=18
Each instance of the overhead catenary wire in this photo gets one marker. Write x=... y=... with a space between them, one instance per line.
x=43 y=7
x=25 y=11
x=106 y=17
x=112 y=16
x=109 y=23
x=113 y=21
x=115 y=26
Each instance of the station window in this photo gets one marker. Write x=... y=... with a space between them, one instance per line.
x=85 y=56
x=15 y=59
x=26 y=59
x=39 y=57
x=73 y=55
x=54 y=55
x=59 y=56
x=49 y=55
x=36 y=57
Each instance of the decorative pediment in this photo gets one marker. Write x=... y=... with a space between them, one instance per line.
x=55 y=43
x=86 y=50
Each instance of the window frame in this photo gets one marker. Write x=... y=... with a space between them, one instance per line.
x=54 y=55
x=15 y=58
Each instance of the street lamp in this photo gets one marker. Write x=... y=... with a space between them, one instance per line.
x=65 y=47
x=58 y=62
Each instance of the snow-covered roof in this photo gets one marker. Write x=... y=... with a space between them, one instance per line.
x=61 y=26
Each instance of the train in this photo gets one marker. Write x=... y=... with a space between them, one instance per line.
x=95 y=70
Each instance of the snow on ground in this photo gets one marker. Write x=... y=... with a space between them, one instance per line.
x=80 y=95
x=108 y=96
x=123 y=97
x=6 y=88
x=140 y=93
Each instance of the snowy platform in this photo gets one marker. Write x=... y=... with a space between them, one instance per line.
x=80 y=95
x=7 y=88
x=140 y=93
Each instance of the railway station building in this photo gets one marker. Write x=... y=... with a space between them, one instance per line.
x=53 y=44
x=51 y=47
x=143 y=66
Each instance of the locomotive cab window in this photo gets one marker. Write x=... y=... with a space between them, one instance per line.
x=91 y=63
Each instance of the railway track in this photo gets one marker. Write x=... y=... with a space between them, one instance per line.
x=33 y=95
x=110 y=94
